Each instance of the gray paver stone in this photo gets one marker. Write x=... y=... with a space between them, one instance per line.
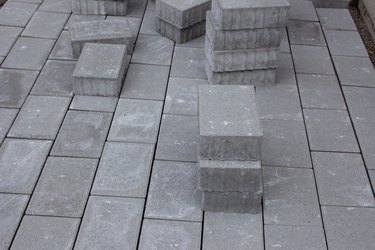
x=361 y=104
x=345 y=43
x=188 y=62
x=302 y=10
x=307 y=33
x=100 y=7
x=63 y=48
x=285 y=74
x=94 y=103
x=82 y=18
x=366 y=139
x=62 y=6
x=6 y=121
x=8 y=36
x=16 y=14
x=336 y=19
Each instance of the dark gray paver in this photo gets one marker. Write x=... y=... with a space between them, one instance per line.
x=349 y=227
x=307 y=33
x=342 y=180
x=124 y=170
x=46 y=25
x=278 y=134
x=366 y=138
x=189 y=63
x=364 y=71
x=82 y=134
x=361 y=104
x=7 y=118
x=11 y=211
x=94 y=103
x=63 y=48
x=28 y=53
x=285 y=74
x=302 y=10
x=330 y=130
x=153 y=50
x=173 y=192
x=136 y=8
x=63 y=187
x=345 y=43
x=195 y=43
x=40 y=117
x=63 y=6
x=21 y=162
x=16 y=14
x=320 y=91
x=232 y=231
x=290 y=197
x=42 y=233
x=79 y=18
x=336 y=19
x=306 y=58
x=294 y=237
x=148 y=23
x=160 y=234
x=136 y=121
x=284 y=44
x=15 y=85
x=55 y=79
x=8 y=36
x=146 y=82
x=178 y=138
x=110 y=223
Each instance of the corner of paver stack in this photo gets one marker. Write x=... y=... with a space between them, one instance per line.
x=100 y=7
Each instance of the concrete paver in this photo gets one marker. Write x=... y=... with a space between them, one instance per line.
x=8 y=36
x=17 y=14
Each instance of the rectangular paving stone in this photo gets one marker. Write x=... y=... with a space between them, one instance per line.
x=136 y=8
x=62 y=6
x=361 y=104
x=148 y=82
x=124 y=170
x=285 y=73
x=93 y=77
x=63 y=48
x=110 y=223
x=148 y=23
x=331 y=4
x=134 y=22
x=29 y=53
x=336 y=19
x=284 y=44
x=21 y=162
x=94 y=103
x=229 y=125
x=330 y=130
x=15 y=85
x=232 y=231
x=82 y=134
x=136 y=121
x=161 y=234
x=173 y=193
x=342 y=180
x=307 y=33
x=6 y=121
x=63 y=187
x=52 y=232
x=290 y=197
x=100 y=7
x=40 y=117
x=302 y=10
x=82 y=18
x=188 y=63
x=11 y=211
x=345 y=43
x=8 y=36
x=366 y=139
x=320 y=91
x=16 y=14
x=45 y=25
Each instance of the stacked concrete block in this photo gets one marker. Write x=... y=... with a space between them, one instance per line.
x=243 y=40
x=181 y=20
x=230 y=174
x=100 y=7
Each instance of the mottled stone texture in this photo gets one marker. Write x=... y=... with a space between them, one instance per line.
x=100 y=7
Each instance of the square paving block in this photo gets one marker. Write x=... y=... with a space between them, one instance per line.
x=349 y=227
x=342 y=180
x=46 y=25
x=345 y=43
x=11 y=212
x=100 y=70
x=40 y=117
x=15 y=85
x=330 y=130
x=366 y=138
x=146 y=82
x=302 y=10
x=361 y=104
x=173 y=192
x=21 y=162
x=278 y=134
x=55 y=79
x=336 y=19
x=229 y=124
x=29 y=53
x=94 y=103
x=8 y=36
x=124 y=170
x=290 y=197
x=63 y=187
x=285 y=73
x=307 y=33
x=100 y=7
x=82 y=134
x=6 y=121
x=63 y=48
x=189 y=63
x=52 y=232
x=62 y=6
x=159 y=234
x=110 y=223
x=136 y=121
x=83 y=18
x=16 y=14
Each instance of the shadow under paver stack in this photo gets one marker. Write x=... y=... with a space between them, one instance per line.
x=243 y=40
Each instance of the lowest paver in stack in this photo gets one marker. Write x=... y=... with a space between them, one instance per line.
x=243 y=40
x=230 y=174
x=181 y=20
x=100 y=7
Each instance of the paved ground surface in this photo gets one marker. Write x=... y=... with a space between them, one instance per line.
x=108 y=173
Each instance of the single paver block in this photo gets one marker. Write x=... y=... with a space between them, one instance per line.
x=336 y=19
x=56 y=6
x=82 y=18
x=63 y=187
x=110 y=223
x=21 y=162
x=8 y=36
x=285 y=74
x=63 y=48
x=181 y=13
x=189 y=63
x=100 y=7
x=134 y=22
x=52 y=232
x=302 y=10
x=94 y=103
x=361 y=104
x=331 y=3
x=284 y=44
x=148 y=22
x=244 y=14
x=306 y=33
x=100 y=70
x=16 y=14
x=345 y=43
x=366 y=139
x=6 y=121
x=100 y=31
x=124 y=170
x=229 y=125
x=82 y=134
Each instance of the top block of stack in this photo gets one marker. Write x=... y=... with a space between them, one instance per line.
x=250 y=14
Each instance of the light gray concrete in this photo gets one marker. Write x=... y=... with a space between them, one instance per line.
x=63 y=48
x=306 y=33
x=94 y=103
x=100 y=7
x=189 y=63
x=8 y=37
x=6 y=121
x=16 y=14
x=336 y=19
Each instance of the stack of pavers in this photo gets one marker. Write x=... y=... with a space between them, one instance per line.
x=230 y=173
x=243 y=40
x=181 y=20
x=100 y=7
